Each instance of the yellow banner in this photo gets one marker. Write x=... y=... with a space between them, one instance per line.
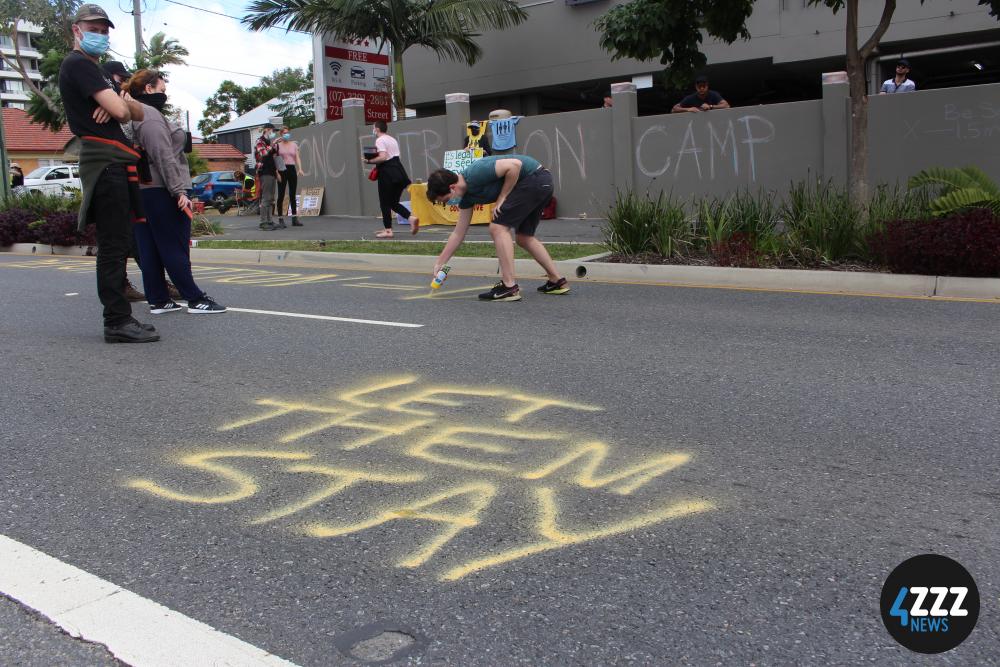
x=436 y=214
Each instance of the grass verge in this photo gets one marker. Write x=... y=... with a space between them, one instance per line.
x=558 y=251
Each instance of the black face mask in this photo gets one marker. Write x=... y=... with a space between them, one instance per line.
x=155 y=100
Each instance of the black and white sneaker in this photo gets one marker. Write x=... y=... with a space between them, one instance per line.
x=205 y=305
x=501 y=292
x=168 y=307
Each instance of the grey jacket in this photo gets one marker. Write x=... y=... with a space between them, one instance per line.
x=164 y=144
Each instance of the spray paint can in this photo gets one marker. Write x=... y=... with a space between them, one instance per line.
x=441 y=276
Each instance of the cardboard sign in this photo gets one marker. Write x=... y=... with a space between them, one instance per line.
x=435 y=214
x=459 y=161
x=309 y=201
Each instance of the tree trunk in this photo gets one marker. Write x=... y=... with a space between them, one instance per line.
x=857 y=178
x=398 y=83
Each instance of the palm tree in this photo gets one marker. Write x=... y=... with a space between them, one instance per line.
x=448 y=27
x=162 y=51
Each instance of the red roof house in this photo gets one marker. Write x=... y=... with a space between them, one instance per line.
x=221 y=157
x=30 y=144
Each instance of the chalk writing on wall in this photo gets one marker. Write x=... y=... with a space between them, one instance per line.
x=706 y=149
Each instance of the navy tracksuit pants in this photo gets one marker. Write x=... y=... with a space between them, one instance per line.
x=164 y=243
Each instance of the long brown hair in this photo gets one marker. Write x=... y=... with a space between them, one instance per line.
x=136 y=85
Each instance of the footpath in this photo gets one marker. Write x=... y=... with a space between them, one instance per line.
x=569 y=230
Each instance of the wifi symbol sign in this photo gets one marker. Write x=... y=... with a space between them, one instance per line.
x=335 y=65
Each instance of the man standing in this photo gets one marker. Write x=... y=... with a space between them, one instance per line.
x=264 y=151
x=521 y=188
x=702 y=99
x=107 y=167
x=899 y=83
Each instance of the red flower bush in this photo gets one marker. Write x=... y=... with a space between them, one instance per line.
x=965 y=244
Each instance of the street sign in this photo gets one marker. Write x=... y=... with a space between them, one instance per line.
x=356 y=69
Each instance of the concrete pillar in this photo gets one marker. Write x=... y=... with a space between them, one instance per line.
x=354 y=174
x=625 y=109
x=836 y=127
x=456 y=108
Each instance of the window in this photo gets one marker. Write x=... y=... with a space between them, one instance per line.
x=6 y=42
x=58 y=174
x=14 y=86
x=226 y=176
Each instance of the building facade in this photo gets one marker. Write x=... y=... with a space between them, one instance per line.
x=31 y=145
x=14 y=92
x=554 y=63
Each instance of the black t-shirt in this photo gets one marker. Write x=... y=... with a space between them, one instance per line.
x=693 y=100
x=79 y=79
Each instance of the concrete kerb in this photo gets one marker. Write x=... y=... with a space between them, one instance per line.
x=584 y=270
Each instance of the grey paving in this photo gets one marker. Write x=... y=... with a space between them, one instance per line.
x=29 y=640
x=830 y=439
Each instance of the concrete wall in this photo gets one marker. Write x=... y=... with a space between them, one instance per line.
x=713 y=153
x=953 y=127
x=594 y=152
x=558 y=44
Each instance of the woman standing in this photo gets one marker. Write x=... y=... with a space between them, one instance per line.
x=288 y=151
x=16 y=175
x=165 y=238
x=392 y=178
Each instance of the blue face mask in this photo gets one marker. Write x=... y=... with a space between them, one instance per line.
x=95 y=44
x=287 y=136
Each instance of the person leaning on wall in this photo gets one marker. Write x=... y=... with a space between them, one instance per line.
x=899 y=83
x=702 y=99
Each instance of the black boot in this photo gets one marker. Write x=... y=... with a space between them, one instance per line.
x=130 y=331
x=295 y=221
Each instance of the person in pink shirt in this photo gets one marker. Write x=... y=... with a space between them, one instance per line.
x=392 y=179
x=288 y=151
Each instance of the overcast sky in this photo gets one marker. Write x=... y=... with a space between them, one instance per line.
x=214 y=42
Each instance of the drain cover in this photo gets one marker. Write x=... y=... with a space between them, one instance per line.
x=380 y=643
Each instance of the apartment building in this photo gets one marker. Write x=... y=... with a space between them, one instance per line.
x=554 y=63
x=14 y=92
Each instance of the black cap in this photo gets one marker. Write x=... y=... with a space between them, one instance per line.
x=903 y=61
x=701 y=78
x=91 y=12
x=268 y=126
x=113 y=67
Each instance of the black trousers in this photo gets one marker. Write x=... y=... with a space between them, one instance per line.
x=388 y=200
x=109 y=210
x=290 y=178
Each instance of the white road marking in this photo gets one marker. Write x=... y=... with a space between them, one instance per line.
x=136 y=630
x=307 y=316
x=72 y=294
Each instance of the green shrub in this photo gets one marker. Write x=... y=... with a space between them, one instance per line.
x=641 y=224
x=958 y=190
x=822 y=223
x=41 y=204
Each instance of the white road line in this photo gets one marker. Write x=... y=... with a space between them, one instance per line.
x=72 y=294
x=306 y=316
x=137 y=631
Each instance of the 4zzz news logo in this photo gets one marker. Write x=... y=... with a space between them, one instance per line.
x=930 y=603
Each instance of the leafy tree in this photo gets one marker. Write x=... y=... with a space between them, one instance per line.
x=448 y=27
x=672 y=30
x=55 y=18
x=162 y=51
x=231 y=99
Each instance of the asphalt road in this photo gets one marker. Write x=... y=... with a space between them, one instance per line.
x=622 y=475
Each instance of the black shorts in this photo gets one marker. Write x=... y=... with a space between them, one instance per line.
x=522 y=211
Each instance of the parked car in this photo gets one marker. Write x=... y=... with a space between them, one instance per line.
x=214 y=187
x=60 y=179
